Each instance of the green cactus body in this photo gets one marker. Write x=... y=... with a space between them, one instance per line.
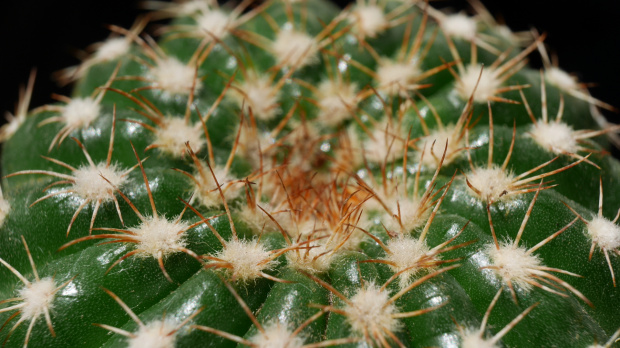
x=290 y=175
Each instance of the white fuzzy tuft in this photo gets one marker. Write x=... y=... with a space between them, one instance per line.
x=302 y=139
x=294 y=48
x=111 y=49
x=493 y=183
x=156 y=334
x=258 y=221
x=506 y=34
x=277 y=335
x=368 y=20
x=604 y=233
x=8 y=129
x=206 y=192
x=513 y=264
x=89 y=184
x=37 y=297
x=5 y=208
x=303 y=229
x=406 y=252
x=455 y=145
x=337 y=101
x=471 y=339
x=317 y=259
x=371 y=313
x=214 y=23
x=158 y=236
x=188 y=8
x=80 y=112
x=486 y=87
x=395 y=78
x=251 y=141
x=373 y=206
x=174 y=77
x=247 y=258
x=562 y=79
x=386 y=143
x=460 y=26
x=258 y=94
x=556 y=137
x=174 y=132
x=412 y=215
x=349 y=150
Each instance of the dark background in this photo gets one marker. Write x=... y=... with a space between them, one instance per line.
x=44 y=34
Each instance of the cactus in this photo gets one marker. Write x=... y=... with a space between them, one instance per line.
x=287 y=174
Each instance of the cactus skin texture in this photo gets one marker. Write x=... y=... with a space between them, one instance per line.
x=284 y=174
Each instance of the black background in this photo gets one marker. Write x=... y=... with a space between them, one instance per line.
x=44 y=34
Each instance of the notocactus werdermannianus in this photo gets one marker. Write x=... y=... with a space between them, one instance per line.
x=283 y=174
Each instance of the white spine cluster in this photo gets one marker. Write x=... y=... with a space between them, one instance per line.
x=258 y=94
x=90 y=183
x=371 y=311
x=156 y=334
x=473 y=339
x=555 y=136
x=394 y=78
x=317 y=259
x=5 y=208
x=410 y=254
x=337 y=101
x=411 y=212
x=277 y=335
x=214 y=23
x=174 y=132
x=514 y=264
x=460 y=25
x=206 y=190
x=173 y=77
x=295 y=48
x=604 y=233
x=561 y=79
x=384 y=143
x=248 y=259
x=111 y=49
x=480 y=82
x=448 y=134
x=493 y=184
x=37 y=298
x=158 y=237
x=368 y=20
x=257 y=220
x=80 y=112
